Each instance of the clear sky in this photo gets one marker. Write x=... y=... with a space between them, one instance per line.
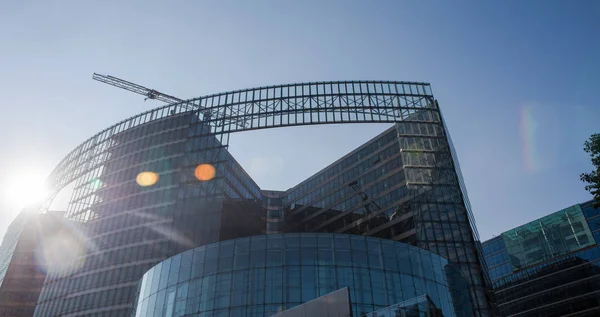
x=518 y=82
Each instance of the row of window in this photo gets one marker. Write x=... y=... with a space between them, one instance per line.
x=106 y=298
x=500 y=271
x=496 y=259
x=91 y=152
x=432 y=129
x=272 y=251
x=236 y=170
x=147 y=198
x=241 y=182
x=149 y=250
x=589 y=211
x=159 y=126
x=160 y=164
x=365 y=175
x=95 y=280
x=591 y=254
x=493 y=245
x=16 y=311
x=356 y=208
x=122 y=220
x=437 y=144
x=282 y=286
x=564 y=292
x=313 y=182
x=148 y=147
x=127 y=236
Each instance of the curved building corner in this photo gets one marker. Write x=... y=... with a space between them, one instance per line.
x=268 y=274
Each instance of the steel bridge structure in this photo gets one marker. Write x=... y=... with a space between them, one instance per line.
x=260 y=108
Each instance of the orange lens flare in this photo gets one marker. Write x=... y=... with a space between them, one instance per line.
x=205 y=172
x=146 y=179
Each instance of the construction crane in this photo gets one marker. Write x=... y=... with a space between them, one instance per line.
x=373 y=206
x=138 y=89
x=369 y=207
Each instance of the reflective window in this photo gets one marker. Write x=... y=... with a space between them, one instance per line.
x=297 y=269
x=556 y=234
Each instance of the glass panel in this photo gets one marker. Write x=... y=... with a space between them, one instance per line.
x=198 y=263
x=257 y=258
x=174 y=270
x=325 y=242
x=185 y=267
x=258 y=243
x=156 y=279
x=180 y=299
x=274 y=242
x=325 y=257
x=309 y=256
x=559 y=233
x=309 y=241
x=151 y=304
x=292 y=241
x=160 y=303
x=292 y=257
x=170 y=302
x=164 y=274
x=212 y=259
x=274 y=258
x=193 y=296
x=342 y=243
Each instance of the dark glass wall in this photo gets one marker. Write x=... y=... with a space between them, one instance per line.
x=22 y=276
x=403 y=185
x=548 y=267
x=128 y=228
x=262 y=275
x=566 y=285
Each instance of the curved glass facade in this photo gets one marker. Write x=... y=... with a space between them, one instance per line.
x=262 y=275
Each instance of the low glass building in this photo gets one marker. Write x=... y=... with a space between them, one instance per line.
x=263 y=275
x=548 y=267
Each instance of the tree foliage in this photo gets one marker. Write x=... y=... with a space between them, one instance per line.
x=592 y=179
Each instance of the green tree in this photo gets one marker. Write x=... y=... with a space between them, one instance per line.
x=592 y=179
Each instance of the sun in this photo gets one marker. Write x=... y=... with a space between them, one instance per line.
x=25 y=189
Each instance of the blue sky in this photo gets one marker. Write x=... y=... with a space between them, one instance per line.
x=518 y=82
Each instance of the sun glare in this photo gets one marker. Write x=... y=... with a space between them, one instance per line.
x=25 y=189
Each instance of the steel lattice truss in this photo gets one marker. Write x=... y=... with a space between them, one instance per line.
x=313 y=103
x=266 y=107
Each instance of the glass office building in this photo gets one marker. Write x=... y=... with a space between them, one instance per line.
x=263 y=275
x=141 y=193
x=402 y=185
x=548 y=267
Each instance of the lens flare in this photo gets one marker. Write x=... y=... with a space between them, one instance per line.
x=528 y=138
x=95 y=183
x=62 y=251
x=146 y=179
x=205 y=172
